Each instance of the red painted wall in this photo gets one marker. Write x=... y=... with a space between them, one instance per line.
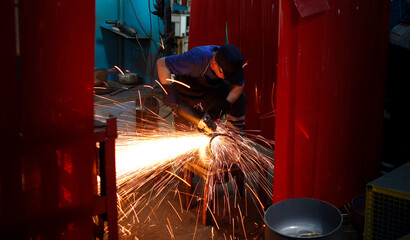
x=330 y=73
x=46 y=189
x=10 y=179
x=330 y=98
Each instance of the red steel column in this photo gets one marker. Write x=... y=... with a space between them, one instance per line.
x=47 y=191
x=10 y=170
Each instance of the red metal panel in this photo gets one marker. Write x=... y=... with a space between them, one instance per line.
x=210 y=30
x=10 y=176
x=52 y=111
x=264 y=78
x=330 y=100
x=310 y=7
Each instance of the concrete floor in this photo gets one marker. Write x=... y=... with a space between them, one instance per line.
x=187 y=224
x=170 y=220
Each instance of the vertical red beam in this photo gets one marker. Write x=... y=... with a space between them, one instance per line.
x=285 y=109
x=10 y=171
x=46 y=189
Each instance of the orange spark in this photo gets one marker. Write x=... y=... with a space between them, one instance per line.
x=170 y=229
x=256 y=196
x=148 y=86
x=163 y=89
x=175 y=210
x=119 y=70
x=173 y=174
x=212 y=216
x=139 y=95
x=179 y=82
x=162 y=44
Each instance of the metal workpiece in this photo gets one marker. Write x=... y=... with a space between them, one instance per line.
x=105 y=195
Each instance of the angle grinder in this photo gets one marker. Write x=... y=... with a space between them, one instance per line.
x=202 y=120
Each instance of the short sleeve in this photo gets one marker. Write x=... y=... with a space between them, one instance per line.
x=188 y=64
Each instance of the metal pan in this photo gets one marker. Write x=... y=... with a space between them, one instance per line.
x=300 y=218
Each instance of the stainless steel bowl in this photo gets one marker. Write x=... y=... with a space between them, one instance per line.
x=128 y=78
x=298 y=218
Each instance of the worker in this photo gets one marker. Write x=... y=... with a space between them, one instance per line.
x=215 y=78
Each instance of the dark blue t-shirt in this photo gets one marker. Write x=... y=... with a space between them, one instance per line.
x=193 y=63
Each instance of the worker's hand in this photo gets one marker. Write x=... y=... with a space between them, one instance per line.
x=219 y=110
x=169 y=97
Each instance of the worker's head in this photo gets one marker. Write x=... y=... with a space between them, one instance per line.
x=229 y=59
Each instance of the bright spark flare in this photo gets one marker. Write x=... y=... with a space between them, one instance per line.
x=133 y=155
x=162 y=44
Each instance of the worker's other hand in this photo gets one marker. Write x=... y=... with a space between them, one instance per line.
x=219 y=110
x=169 y=97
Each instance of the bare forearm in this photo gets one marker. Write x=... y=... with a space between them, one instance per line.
x=235 y=93
x=163 y=72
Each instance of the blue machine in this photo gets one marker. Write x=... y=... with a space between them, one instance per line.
x=127 y=36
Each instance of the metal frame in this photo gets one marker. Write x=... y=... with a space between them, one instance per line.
x=105 y=200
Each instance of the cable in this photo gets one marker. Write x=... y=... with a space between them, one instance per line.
x=142 y=49
x=142 y=27
x=150 y=20
x=150 y=65
x=159 y=50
